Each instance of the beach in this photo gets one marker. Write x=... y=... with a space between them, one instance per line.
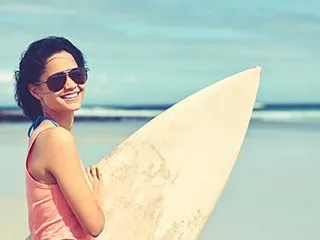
x=272 y=193
x=145 y=56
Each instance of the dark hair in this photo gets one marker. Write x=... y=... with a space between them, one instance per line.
x=32 y=65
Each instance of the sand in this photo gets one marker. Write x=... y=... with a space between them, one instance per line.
x=13 y=220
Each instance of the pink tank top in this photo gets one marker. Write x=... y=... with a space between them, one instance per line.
x=49 y=215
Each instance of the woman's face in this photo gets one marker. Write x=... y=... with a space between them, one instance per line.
x=69 y=98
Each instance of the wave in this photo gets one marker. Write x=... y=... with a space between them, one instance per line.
x=117 y=113
x=259 y=114
x=262 y=112
x=287 y=116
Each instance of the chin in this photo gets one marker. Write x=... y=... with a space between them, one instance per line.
x=73 y=107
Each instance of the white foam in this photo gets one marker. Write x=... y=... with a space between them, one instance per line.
x=108 y=112
x=287 y=116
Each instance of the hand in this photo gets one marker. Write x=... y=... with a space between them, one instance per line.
x=95 y=177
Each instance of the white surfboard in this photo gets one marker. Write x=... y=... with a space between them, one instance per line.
x=165 y=179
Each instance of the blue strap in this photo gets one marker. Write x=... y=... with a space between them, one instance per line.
x=37 y=122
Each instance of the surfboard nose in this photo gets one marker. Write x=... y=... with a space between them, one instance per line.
x=244 y=84
x=255 y=79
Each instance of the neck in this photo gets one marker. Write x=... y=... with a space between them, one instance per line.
x=64 y=120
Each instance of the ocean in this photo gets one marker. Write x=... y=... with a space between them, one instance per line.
x=273 y=112
x=272 y=193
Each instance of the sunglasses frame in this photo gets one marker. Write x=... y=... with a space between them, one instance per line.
x=63 y=74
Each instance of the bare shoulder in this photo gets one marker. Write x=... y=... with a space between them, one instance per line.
x=56 y=135
x=56 y=145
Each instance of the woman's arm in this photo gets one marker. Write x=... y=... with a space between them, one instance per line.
x=58 y=147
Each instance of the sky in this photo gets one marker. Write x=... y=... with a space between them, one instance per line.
x=160 y=51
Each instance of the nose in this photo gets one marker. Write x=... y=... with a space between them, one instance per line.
x=70 y=84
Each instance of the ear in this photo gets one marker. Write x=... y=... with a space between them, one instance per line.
x=34 y=91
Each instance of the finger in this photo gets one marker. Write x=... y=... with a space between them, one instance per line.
x=93 y=171
x=96 y=171
x=89 y=174
x=99 y=174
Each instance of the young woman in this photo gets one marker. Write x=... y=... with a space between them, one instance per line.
x=64 y=199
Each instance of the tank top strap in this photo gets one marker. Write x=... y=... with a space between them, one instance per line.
x=38 y=121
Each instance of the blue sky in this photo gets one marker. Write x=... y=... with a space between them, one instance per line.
x=159 y=51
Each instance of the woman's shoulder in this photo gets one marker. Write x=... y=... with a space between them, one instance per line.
x=55 y=134
x=55 y=145
x=54 y=140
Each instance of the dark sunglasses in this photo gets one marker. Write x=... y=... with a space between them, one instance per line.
x=56 y=81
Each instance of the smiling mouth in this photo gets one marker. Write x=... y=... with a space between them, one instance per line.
x=71 y=95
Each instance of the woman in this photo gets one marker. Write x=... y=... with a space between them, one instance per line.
x=64 y=199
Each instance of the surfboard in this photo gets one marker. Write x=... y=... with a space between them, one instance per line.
x=165 y=179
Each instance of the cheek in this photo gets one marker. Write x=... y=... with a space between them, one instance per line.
x=44 y=92
x=82 y=87
x=50 y=99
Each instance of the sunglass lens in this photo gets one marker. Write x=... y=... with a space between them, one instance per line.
x=78 y=75
x=56 y=82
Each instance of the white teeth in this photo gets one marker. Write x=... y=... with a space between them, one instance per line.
x=70 y=96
